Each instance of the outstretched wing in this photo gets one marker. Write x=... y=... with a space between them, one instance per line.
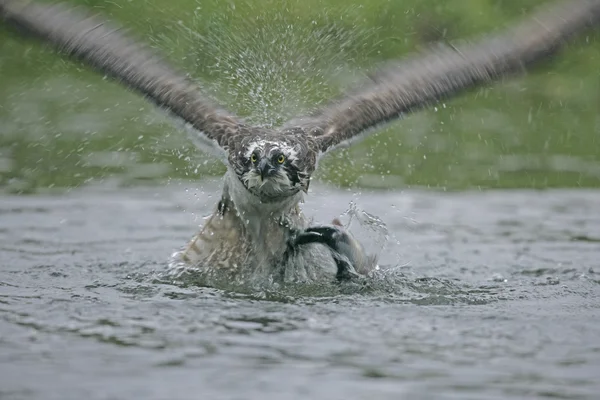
x=108 y=49
x=443 y=72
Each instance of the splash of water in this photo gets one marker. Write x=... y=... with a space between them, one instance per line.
x=275 y=64
x=370 y=230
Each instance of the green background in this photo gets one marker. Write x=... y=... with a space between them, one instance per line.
x=63 y=126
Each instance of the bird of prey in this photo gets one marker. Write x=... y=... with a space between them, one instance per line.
x=258 y=231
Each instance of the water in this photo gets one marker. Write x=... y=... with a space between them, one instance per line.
x=484 y=295
x=491 y=295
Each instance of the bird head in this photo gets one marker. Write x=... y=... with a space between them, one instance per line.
x=274 y=166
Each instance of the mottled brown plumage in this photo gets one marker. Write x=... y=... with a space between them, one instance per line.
x=257 y=231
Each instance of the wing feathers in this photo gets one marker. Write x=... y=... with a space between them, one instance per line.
x=110 y=50
x=394 y=91
x=444 y=71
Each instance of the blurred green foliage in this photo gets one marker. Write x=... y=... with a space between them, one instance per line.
x=267 y=60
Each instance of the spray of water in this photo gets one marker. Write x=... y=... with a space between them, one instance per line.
x=275 y=64
x=371 y=230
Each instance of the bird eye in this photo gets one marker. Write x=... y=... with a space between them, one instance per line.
x=253 y=158
x=281 y=159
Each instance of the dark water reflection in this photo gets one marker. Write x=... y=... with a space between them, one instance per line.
x=492 y=295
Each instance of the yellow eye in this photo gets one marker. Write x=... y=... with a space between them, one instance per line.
x=253 y=158
x=280 y=159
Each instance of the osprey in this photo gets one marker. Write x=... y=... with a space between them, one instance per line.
x=257 y=230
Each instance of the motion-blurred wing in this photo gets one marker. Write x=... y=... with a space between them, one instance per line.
x=442 y=72
x=108 y=49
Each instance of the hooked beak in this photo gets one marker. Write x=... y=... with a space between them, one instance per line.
x=265 y=169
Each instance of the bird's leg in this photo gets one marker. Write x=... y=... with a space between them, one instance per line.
x=348 y=253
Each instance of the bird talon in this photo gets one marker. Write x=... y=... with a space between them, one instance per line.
x=307 y=237
x=347 y=252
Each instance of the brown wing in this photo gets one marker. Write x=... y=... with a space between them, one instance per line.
x=443 y=72
x=108 y=49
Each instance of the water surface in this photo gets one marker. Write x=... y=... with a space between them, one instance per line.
x=492 y=295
